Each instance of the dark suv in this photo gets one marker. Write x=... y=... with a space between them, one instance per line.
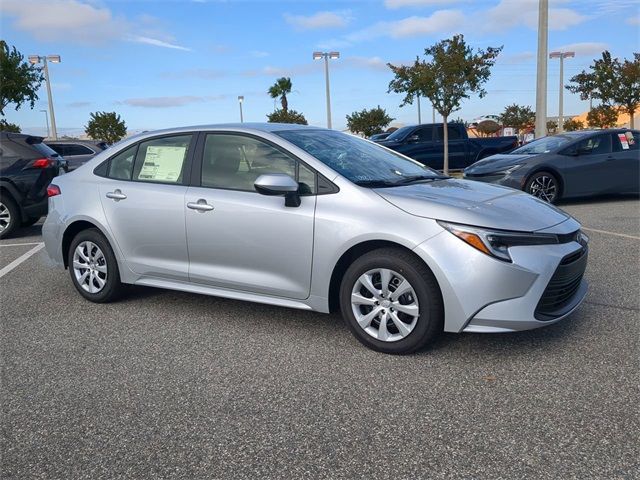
x=27 y=167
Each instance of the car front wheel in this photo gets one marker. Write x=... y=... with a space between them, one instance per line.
x=9 y=216
x=543 y=185
x=391 y=301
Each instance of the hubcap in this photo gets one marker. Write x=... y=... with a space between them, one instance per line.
x=544 y=187
x=5 y=217
x=90 y=267
x=385 y=305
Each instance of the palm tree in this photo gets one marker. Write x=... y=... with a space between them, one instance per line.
x=281 y=89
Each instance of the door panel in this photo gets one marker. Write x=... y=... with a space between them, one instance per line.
x=148 y=226
x=589 y=172
x=250 y=242
x=625 y=162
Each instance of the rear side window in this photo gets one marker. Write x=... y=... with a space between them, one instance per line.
x=121 y=166
x=453 y=132
x=625 y=141
x=162 y=160
x=75 y=149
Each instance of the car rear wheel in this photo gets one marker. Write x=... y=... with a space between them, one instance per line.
x=9 y=216
x=93 y=267
x=543 y=185
x=391 y=301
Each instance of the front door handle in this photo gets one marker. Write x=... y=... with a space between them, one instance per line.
x=201 y=205
x=116 y=195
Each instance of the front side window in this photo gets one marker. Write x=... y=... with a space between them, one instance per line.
x=453 y=132
x=596 y=145
x=362 y=162
x=235 y=162
x=162 y=160
x=425 y=134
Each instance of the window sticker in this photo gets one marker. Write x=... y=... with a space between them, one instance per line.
x=162 y=163
x=624 y=141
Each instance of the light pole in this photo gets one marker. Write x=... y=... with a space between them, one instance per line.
x=46 y=116
x=35 y=59
x=561 y=56
x=541 y=76
x=419 y=115
x=327 y=56
x=240 y=100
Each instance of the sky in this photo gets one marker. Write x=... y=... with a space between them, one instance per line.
x=166 y=63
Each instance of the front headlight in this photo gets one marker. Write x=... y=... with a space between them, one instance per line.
x=496 y=243
x=509 y=171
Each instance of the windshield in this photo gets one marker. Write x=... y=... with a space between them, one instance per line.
x=543 y=145
x=400 y=133
x=361 y=161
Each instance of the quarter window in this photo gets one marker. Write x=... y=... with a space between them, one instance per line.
x=162 y=160
x=121 y=166
x=235 y=162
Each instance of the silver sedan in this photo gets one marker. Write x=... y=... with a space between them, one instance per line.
x=309 y=218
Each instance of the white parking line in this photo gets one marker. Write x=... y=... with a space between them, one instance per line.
x=624 y=235
x=19 y=244
x=21 y=259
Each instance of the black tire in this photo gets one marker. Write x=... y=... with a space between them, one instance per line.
x=10 y=216
x=112 y=288
x=30 y=221
x=534 y=183
x=429 y=298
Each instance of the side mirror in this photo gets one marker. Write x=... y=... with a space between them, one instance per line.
x=275 y=184
x=413 y=138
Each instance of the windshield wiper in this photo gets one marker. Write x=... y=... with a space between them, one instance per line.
x=375 y=183
x=421 y=178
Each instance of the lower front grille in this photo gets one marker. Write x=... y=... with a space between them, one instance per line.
x=558 y=297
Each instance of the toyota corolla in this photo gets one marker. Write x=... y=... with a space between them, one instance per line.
x=315 y=219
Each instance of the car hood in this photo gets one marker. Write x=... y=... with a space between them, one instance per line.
x=496 y=163
x=474 y=203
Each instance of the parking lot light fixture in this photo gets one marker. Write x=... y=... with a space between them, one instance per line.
x=561 y=56
x=326 y=56
x=45 y=59
x=240 y=100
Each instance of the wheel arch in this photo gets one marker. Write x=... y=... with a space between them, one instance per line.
x=72 y=230
x=350 y=255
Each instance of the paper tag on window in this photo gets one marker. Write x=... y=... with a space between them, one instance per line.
x=162 y=164
x=624 y=141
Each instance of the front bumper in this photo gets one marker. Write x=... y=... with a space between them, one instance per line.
x=483 y=294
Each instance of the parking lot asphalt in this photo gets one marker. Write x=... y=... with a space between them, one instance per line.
x=172 y=385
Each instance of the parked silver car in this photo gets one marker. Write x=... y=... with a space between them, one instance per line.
x=315 y=219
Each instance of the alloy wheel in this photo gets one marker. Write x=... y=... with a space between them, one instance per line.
x=544 y=187
x=90 y=267
x=5 y=217
x=385 y=304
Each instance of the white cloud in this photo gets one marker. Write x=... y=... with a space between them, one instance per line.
x=584 y=48
x=155 y=42
x=417 y=3
x=82 y=22
x=167 y=102
x=319 y=20
x=259 y=53
x=633 y=20
x=512 y=13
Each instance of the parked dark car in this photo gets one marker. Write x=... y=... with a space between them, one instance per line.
x=27 y=167
x=425 y=144
x=77 y=152
x=379 y=136
x=571 y=164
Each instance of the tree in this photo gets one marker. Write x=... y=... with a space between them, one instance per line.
x=552 y=127
x=281 y=89
x=19 y=80
x=602 y=116
x=518 y=117
x=8 y=127
x=106 y=126
x=613 y=82
x=286 y=116
x=368 y=122
x=452 y=73
x=487 y=128
x=571 y=125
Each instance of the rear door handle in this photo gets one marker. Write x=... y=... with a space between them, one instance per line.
x=116 y=195
x=201 y=205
